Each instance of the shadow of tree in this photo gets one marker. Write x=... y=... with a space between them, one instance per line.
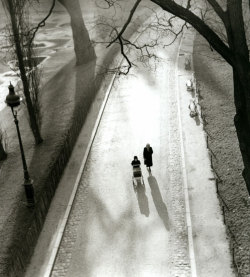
x=112 y=230
x=158 y=201
x=63 y=119
x=85 y=90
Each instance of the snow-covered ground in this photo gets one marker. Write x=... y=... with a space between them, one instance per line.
x=54 y=36
x=118 y=231
x=113 y=230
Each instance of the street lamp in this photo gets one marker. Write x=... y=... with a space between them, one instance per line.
x=13 y=100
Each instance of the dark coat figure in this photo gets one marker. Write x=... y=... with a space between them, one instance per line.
x=147 y=155
x=136 y=162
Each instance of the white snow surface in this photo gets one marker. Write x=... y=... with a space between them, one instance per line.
x=116 y=231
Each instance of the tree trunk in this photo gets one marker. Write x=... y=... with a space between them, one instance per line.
x=19 y=53
x=238 y=44
x=3 y=154
x=242 y=124
x=83 y=49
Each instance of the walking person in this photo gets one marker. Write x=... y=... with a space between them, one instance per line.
x=147 y=155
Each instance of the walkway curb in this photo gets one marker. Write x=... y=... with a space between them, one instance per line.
x=206 y=230
x=184 y=171
x=61 y=229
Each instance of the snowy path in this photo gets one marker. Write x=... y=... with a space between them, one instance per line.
x=113 y=231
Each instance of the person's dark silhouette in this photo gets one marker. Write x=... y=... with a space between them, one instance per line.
x=147 y=155
x=158 y=201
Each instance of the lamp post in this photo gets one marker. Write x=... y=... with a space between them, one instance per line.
x=13 y=100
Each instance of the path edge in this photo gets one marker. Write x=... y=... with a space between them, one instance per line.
x=184 y=170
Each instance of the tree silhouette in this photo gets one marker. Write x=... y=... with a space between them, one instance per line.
x=225 y=30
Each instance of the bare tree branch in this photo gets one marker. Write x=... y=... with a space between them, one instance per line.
x=219 y=11
x=200 y=26
x=125 y=56
x=176 y=35
x=110 y=3
x=41 y=23
x=188 y=4
x=126 y=23
x=161 y=24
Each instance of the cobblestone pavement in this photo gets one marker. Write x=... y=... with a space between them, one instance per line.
x=112 y=229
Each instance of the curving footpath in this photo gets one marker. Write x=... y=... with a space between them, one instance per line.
x=173 y=226
x=111 y=230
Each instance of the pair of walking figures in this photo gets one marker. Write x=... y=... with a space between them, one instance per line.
x=147 y=156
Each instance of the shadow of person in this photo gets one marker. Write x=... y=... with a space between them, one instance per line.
x=142 y=198
x=158 y=201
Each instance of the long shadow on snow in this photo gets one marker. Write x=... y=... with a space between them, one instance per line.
x=158 y=201
x=113 y=230
x=65 y=108
x=142 y=198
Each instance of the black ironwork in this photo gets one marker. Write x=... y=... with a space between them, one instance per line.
x=13 y=100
